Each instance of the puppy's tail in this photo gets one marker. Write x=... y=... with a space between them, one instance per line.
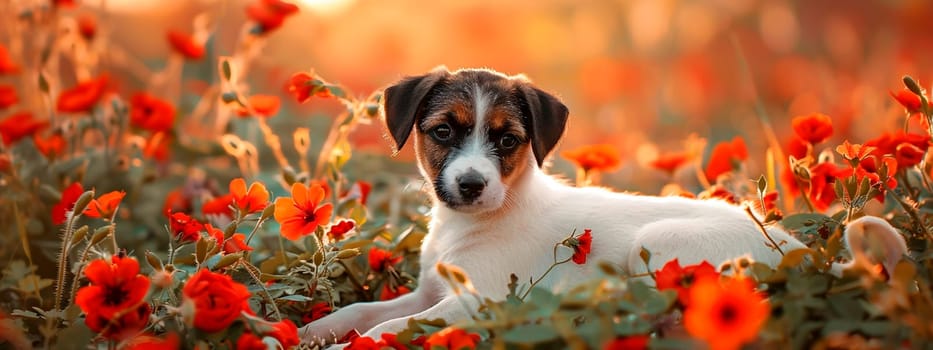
x=872 y=241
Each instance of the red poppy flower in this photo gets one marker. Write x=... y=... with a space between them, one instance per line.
x=7 y=66
x=725 y=316
x=265 y=106
x=582 y=245
x=389 y=293
x=248 y=202
x=83 y=96
x=381 y=259
x=219 y=206
x=87 y=26
x=120 y=325
x=681 y=279
x=725 y=156
x=151 y=113
x=116 y=294
x=602 y=157
x=301 y=214
x=105 y=205
x=908 y=155
x=8 y=96
x=318 y=310
x=150 y=342
x=217 y=300
x=185 y=228
x=880 y=177
x=770 y=202
x=670 y=162
x=65 y=3
x=185 y=45
x=69 y=197
x=813 y=128
x=300 y=86
x=452 y=338
x=339 y=230
x=158 y=146
x=51 y=147
x=236 y=243
x=911 y=102
x=286 y=333
x=18 y=126
x=365 y=343
x=634 y=342
x=823 y=176
x=719 y=192
x=249 y=341
x=176 y=201
x=890 y=144
x=361 y=190
x=270 y=14
x=798 y=147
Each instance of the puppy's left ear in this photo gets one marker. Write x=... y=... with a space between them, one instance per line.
x=547 y=117
x=403 y=100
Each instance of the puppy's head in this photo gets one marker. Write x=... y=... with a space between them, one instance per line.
x=476 y=132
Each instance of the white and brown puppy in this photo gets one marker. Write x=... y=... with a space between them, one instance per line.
x=481 y=138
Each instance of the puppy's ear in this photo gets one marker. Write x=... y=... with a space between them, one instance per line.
x=403 y=100
x=547 y=117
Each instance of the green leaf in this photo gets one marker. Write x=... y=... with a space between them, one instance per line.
x=295 y=297
x=530 y=334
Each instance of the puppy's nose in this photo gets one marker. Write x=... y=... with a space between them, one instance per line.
x=471 y=185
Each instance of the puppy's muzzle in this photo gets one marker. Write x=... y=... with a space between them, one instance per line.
x=471 y=185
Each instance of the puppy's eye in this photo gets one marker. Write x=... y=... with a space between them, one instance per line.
x=442 y=133
x=508 y=141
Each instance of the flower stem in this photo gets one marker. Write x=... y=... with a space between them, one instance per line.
x=762 y=228
x=63 y=259
x=546 y=272
x=265 y=292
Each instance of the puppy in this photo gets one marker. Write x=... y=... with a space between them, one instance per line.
x=480 y=138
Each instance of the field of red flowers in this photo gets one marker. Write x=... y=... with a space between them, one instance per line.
x=182 y=215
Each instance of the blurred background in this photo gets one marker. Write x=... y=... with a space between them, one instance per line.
x=641 y=75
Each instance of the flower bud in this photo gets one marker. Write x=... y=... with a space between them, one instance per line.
x=99 y=234
x=82 y=202
x=162 y=279
x=154 y=261
x=79 y=234
x=912 y=85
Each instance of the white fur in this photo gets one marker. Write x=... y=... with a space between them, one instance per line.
x=489 y=246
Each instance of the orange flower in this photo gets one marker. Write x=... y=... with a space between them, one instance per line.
x=263 y=105
x=269 y=14
x=301 y=214
x=813 y=128
x=725 y=316
x=236 y=242
x=7 y=66
x=176 y=200
x=104 y=206
x=7 y=96
x=582 y=245
x=114 y=302
x=151 y=113
x=911 y=102
x=249 y=341
x=83 y=96
x=670 y=162
x=452 y=338
x=724 y=157
x=300 y=85
x=601 y=157
x=218 y=206
x=854 y=153
x=252 y=201
x=87 y=26
x=185 y=45
x=682 y=279
x=18 y=126
x=634 y=342
x=52 y=146
x=69 y=197
x=381 y=259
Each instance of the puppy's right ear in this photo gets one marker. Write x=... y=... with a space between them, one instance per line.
x=403 y=100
